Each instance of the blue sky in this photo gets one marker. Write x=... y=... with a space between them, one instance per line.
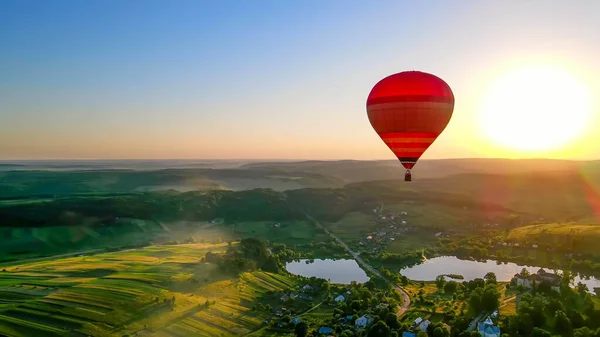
x=262 y=79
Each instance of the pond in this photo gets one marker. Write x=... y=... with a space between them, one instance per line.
x=336 y=271
x=470 y=270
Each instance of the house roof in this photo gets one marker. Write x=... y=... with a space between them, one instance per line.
x=325 y=329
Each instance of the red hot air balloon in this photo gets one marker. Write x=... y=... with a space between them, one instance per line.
x=409 y=110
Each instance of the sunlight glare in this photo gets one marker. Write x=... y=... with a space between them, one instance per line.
x=535 y=108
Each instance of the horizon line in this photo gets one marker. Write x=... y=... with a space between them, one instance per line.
x=283 y=159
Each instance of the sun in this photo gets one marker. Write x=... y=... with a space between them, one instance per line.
x=535 y=109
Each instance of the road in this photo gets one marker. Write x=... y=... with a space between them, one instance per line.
x=474 y=322
x=405 y=298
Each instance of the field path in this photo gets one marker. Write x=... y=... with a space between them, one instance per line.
x=405 y=298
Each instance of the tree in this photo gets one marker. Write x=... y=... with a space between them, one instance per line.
x=475 y=300
x=422 y=334
x=440 y=332
x=490 y=298
x=380 y=329
x=392 y=321
x=300 y=329
x=583 y=332
x=490 y=278
x=562 y=323
x=537 y=332
x=450 y=287
x=582 y=289
x=440 y=280
x=524 y=272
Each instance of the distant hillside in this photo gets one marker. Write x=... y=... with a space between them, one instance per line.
x=355 y=171
x=24 y=183
x=456 y=202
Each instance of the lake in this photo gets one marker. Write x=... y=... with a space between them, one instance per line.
x=336 y=271
x=428 y=270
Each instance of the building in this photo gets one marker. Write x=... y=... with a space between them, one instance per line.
x=418 y=321
x=296 y=320
x=293 y=295
x=537 y=278
x=488 y=329
x=424 y=325
x=340 y=298
x=363 y=321
x=308 y=288
x=284 y=298
x=325 y=330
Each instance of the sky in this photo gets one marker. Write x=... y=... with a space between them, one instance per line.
x=267 y=79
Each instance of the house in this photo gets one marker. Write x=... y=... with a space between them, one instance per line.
x=534 y=246
x=418 y=321
x=294 y=295
x=403 y=213
x=308 y=288
x=369 y=237
x=284 y=298
x=325 y=330
x=296 y=320
x=516 y=245
x=404 y=222
x=438 y=234
x=488 y=329
x=305 y=297
x=340 y=298
x=424 y=325
x=363 y=321
x=382 y=305
x=539 y=277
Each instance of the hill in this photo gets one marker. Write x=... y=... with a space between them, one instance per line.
x=25 y=183
x=356 y=171
x=65 y=178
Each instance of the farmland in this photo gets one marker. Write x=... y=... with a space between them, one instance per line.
x=155 y=291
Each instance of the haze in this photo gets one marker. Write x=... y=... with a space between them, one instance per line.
x=271 y=79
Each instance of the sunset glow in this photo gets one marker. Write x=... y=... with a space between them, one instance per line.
x=535 y=108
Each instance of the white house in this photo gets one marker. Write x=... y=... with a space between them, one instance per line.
x=403 y=213
x=363 y=321
x=418 y=321
x=438 y=234
x=404 y=222
x=534 y=246
x=423 y=326
x=340 y=298
x=307 y=288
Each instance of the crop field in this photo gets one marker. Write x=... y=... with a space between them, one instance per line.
x=155 y=291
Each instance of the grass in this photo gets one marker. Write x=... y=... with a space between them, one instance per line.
x=112 y=294
x=586 y=236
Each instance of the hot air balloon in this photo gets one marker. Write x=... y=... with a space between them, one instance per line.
x=409 y=110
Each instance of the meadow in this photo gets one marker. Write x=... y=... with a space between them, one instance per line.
x=155 y=291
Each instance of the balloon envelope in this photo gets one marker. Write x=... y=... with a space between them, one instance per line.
x=409 y=110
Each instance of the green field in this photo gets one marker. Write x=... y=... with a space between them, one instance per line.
x=113 y=294
x=585 y=237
